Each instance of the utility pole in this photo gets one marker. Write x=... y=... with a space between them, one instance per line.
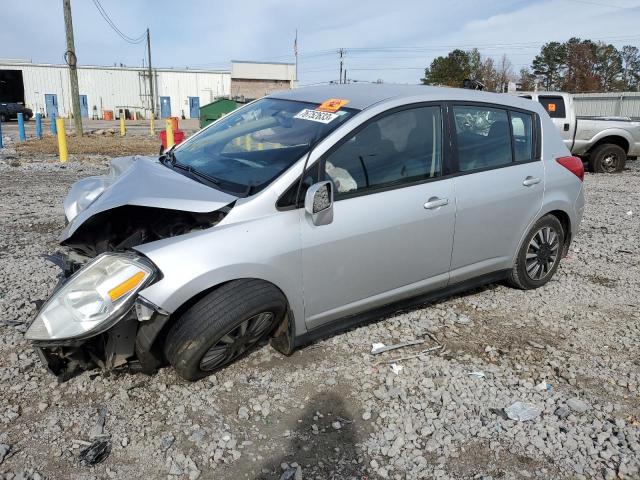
x=152 y=98
x=341 y=52
x=295 y=52
x=72 y=61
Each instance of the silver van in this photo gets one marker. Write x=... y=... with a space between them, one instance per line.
x=301 y=214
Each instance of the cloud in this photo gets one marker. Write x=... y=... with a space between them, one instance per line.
x=211 y=33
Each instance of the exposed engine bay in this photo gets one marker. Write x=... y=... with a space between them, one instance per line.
x=97 y=226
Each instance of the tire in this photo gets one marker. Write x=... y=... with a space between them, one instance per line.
x=209 y=335
x=524 y=274
x=26 y=117
x=3 y=117
x=607 y=158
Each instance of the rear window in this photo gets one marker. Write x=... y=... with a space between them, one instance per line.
x=553 y=105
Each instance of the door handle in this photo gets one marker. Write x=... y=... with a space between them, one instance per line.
x=527 y=182
x=435 y=202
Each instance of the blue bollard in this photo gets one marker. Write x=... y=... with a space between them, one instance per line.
x=38 y=125
x=54 y=130
x=23 y=137
x=1 y=146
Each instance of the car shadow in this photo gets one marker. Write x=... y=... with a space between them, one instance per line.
x=323 y=446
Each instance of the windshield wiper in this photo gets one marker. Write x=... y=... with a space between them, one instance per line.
x=194 y=172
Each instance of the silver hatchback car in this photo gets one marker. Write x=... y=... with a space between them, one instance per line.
x=301 y=214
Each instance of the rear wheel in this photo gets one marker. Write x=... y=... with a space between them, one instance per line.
x=539 y=255
x=607 y=158
x=223 y=326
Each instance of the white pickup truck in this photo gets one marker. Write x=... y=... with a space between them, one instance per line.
x=604 y=143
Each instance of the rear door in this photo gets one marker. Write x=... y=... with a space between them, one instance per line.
x=499 y=185
x=393 y=218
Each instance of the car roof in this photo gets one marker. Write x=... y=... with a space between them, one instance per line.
x=362 y=96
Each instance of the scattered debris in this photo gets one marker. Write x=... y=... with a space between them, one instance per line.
x=420 y=354
x=396 y=368
x=4 y=451
x=478 y=374
x=336 y=425
x=544 y=386
x=536 y=345
x=292 y=473
x=381 y=347
x=98 y=429
x=522 y=411
x=96 y=453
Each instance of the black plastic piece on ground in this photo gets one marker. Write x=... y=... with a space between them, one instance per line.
x=95 y=453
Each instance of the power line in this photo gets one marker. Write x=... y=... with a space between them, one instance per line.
x=110 y=22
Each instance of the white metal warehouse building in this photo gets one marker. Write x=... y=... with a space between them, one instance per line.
x=45 y=88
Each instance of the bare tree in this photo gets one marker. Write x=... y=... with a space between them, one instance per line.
x=504 y=73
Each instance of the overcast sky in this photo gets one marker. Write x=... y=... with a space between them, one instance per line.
x=392 y=40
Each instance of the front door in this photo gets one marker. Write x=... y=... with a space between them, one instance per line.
x=499 y=187
x=392 y=229
x=51 y=104
x=194 y=107
x=165 y=107
x=84 y=106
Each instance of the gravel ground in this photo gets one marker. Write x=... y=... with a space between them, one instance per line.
x=570 y=352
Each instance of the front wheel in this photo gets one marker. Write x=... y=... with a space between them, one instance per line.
x=607 y=158
x=539 y=255
x=222 y=326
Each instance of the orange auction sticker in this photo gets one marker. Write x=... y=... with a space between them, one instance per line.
x=551 y=107
x=332 y=105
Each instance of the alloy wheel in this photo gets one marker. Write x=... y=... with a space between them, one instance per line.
x=235 y=342
x=610 y=163
x=542 y=253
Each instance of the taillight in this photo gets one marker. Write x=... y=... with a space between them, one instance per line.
x=574 y=165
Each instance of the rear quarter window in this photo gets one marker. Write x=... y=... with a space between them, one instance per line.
x=554 y=105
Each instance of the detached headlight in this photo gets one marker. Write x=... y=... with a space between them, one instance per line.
x=93 y=299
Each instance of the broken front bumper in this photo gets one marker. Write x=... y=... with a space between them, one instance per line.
x=129 y=345
x=127 y=342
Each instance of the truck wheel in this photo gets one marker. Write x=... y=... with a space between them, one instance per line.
x=222 y=326
x=539 y=255
x=607 y=158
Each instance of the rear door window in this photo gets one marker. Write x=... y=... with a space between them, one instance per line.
x=522 y=129
x=554 y=105
x=483 y=137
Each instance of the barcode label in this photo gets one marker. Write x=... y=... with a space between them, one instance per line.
x=316 y=116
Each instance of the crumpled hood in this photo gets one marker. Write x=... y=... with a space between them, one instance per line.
x=141 y=181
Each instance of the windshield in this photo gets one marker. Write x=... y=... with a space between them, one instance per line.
x=249 y=148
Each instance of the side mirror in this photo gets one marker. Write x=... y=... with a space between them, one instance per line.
x=318 y=203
